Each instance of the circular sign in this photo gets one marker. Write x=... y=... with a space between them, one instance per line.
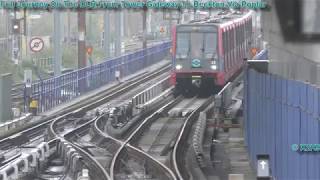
x=196 y=63
x=36 y=44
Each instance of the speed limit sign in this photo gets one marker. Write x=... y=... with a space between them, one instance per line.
x=36 y=44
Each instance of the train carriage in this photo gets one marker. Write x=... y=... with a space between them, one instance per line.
x=208 y=53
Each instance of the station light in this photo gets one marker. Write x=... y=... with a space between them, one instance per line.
x=178 y=67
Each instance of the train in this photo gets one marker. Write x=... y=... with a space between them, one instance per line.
x=208 y=53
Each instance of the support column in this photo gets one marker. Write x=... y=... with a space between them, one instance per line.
x=57 y=56
x=82 y=54
x=118 y=33
x=82 y=39
x=68 y=27
x=170 y=23
x=107 y=34
x=144 y=27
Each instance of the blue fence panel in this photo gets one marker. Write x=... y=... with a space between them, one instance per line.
x=293 y=133
x=245 y=113
x=316 y=120
x=313 y=129
x=280 y=113
x=57 y=90
x=284 y=122
x=278 y=131
x=303 y=129
x=296 y=129
x=256 y=115
x=271 y=119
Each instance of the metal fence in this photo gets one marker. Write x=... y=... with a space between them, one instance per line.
x=57 y=90
x=44 y=62
x=280 y=113
x=150 y=93
x=5 y=44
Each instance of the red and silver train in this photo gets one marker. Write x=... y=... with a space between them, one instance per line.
x=208 y=53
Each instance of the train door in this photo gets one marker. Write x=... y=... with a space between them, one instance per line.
x=197 y=51
x=233 y=50
x=196 y=45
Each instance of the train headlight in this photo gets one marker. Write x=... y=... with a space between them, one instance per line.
x=178 y=67
x=213 y=67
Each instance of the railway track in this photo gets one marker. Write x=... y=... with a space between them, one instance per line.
x=132 y=162
x=94 y=168
x=69 y=119
x=93 y=138
x=148 y=151
x=93 y=153
x=183 y=145
x=155 y=146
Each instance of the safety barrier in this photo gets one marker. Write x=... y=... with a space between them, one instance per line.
x=280 y=114
x=44 y=62
x=14 y=125
x=146 y=96
x=197 y=139
x=60 y=89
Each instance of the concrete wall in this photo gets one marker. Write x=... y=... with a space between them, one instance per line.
x=290 y=60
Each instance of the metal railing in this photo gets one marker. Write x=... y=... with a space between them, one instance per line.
x=44 y=62
x=146 y=96
x=57 y=90
x=14 y=125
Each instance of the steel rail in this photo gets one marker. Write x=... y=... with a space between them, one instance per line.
x=126 y=144
x=181 y=140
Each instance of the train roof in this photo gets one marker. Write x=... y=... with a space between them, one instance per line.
x=223 y=19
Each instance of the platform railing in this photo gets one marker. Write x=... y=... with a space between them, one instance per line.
x=14 y=125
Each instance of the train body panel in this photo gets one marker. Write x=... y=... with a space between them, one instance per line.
x=207 y=54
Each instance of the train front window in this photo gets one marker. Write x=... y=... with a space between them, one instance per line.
x=196 y=42
x=210 y=45
x=182 y=45
x=196 y=45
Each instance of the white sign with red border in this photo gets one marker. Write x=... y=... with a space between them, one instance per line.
x=36 y=44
